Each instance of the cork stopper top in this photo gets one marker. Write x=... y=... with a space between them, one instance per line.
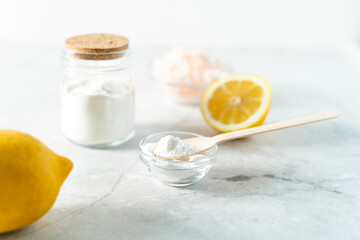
x=98 y=46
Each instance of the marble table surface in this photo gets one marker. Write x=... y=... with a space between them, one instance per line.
x=299 y=183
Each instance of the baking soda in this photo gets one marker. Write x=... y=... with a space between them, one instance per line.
x=97 y=112
x=170 y=146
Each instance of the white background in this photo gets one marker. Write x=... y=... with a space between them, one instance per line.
x=186 y=22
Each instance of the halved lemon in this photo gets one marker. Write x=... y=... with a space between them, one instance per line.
x=236 y=102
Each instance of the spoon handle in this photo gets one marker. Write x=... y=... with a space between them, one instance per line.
x=273 y=126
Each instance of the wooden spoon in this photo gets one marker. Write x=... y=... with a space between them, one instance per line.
x=205 y=143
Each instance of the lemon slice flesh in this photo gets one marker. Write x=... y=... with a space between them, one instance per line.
x=236 y=102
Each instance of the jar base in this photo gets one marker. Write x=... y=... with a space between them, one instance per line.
x=104 y=145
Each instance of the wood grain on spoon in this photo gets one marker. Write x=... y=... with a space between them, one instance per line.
x=205 y=143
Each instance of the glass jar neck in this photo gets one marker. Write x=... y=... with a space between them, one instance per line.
x=103 y=62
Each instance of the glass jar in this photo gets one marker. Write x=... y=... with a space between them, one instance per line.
x=97 y=91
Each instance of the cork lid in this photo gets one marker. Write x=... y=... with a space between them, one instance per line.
x=97 y=46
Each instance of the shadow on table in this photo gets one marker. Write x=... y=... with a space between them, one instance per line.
x=16 y=233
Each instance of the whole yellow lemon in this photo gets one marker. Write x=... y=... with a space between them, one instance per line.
x=30 y=179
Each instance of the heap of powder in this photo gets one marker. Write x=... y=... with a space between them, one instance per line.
x=171 y=146
x=110 y=88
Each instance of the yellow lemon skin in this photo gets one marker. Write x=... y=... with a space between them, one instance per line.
x=30 y=179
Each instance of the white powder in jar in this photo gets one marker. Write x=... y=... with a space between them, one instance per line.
x=95 y=112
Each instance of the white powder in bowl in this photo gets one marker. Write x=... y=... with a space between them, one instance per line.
x=170 y=146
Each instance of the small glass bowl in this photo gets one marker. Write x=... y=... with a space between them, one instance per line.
x=175 y=172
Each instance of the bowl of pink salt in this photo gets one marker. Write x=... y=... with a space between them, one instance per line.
x=183 y=75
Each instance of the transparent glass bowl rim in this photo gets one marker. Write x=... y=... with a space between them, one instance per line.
x=180 y=85
x=211 y=153
x=227 y=71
